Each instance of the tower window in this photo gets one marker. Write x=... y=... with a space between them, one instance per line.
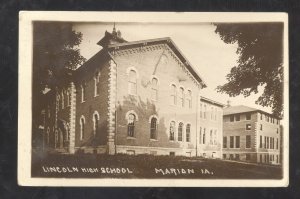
x=180 y=128
x=173 y=94
x=82 y=124
x=181 y=96
x=97 y=84
x=130 y=125
x=153 y=128
x=188 y=132
x=189 y=99
x=172 y=130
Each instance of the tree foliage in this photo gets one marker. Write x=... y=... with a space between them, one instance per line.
x=55 y=49
x=260 y=62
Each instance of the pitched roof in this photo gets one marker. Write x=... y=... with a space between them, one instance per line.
x=212 y=101
x=238 y=109
x=170 y=43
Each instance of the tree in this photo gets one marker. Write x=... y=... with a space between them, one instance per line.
x=260 y=62
x=55 y=53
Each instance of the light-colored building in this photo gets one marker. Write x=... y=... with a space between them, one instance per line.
x=210 y=128
x=251 y=135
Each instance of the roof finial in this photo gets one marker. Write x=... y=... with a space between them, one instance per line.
x=114 y=29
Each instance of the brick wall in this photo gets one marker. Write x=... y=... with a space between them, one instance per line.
x=167 y=71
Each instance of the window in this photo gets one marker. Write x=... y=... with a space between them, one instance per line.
x=83 y=91
x=237 y=156
x=154 y=89
x=277 y=130
x=95 y=122
x=82 y=124
x=261 y=116
x=97 y=84
x=261 y=128
x=49 y=111
x=224 y=156
x=48 y=136
x=248 y=127
x=173 y=94
x=181 y=96
x=201 y=110
x=200 y=135
x=248 y=141
x=188 y=132
x=260 y=142
x=153 y=128
x=172 y=130
x=204 y=136
x=62 y=100
x=204 y=116
x=68 y=98
x=231 y=118
x=231 y=141
x=224 y=142
x=276 y=143
x=130 y=125
x=58 y=101
x=237 y=141
x=189 y=99
x=132 y=82
x=180 y=128
x=265 y=142
x=237 y=117
x=248 y=116
x=215 y=137
x=211 y=137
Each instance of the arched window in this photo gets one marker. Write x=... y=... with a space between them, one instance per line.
x=181 y=96
x=203 y=140
x=82 y=124
x=180 y=129
x=130 y=125
x=153 y=128
x=68 y=98
x=58 y=101
x=95 y=122
x=173 y=94
x=154 y=89
x=49 y=111
x=189 y=98
x=172 y=130
x=97 y=86
x=132 y=82
x=188 y=132
x=204 y=113
x=83 y=92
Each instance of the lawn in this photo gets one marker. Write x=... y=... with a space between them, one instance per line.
x=146 y=166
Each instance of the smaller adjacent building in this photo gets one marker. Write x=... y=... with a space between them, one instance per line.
x=251 y=135
x=209 y=142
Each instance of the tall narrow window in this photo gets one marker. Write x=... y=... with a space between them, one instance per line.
x=237 y=117
x=204 y=113
x=130 y=125
x=276 y=143
x=68 y=98
x=248 y=116
x=188 y=133
x=225 y=142
x=48 y=136
x=58 y=101
x=173 y=94
x=215 y=137
x=181 y=96
x=261 y=116
x=231 y=118
x=231 y=141
x=201 y=110
x=260 y=142
x=154 y=89
x=204 y=141
x=200 y=135
x=248 y=141
x=237 y=141
x=62 y=100
x=83 y=92
x=189 y=99
x=96 y=123
x=153 y=128
x=180 y=129
x=97 y=84
x=211 y=137
x=216 y=111
x=82 y=124
x=132 y=82
x=172 y=130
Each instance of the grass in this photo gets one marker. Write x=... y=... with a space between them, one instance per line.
x=144 y=166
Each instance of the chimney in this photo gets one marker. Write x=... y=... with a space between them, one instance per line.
x=228 y=103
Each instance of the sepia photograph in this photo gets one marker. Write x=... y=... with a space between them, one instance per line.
x=153 y=99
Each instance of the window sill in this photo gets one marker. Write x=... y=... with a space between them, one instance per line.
x=153 y=140
x=82 y=101
x=130 y=138
x=96 y=95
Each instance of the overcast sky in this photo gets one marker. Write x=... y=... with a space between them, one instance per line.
x=204 y=49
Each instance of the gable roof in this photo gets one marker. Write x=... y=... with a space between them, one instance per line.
x=170 y=43
x=205 y=99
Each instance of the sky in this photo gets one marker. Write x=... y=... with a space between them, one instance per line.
x=207 y=53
